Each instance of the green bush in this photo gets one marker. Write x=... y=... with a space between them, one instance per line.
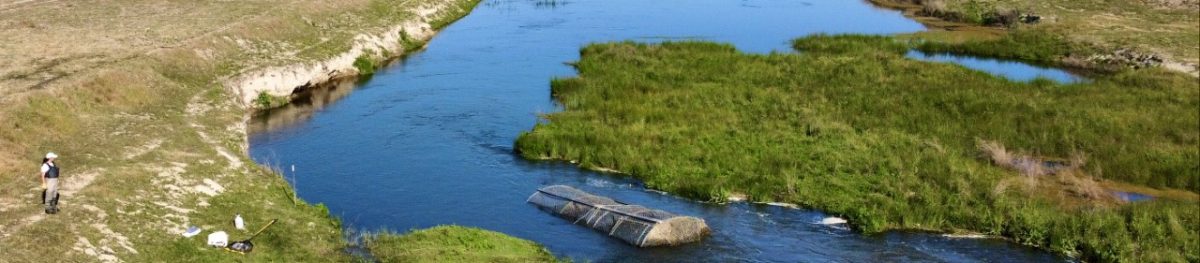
x=266 y=101
x=365 y=65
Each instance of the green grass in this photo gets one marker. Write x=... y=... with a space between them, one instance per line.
x=365 y=65
x=266 y=101
x=1025 y=45
x=304 y=233
x=130 y=194
x=443 y=21
x=858 y=130
x=822 y=43
x=454 y=244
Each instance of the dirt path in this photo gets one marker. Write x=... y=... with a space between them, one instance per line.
x=106 y=243
x=71 y=186
x=10 y=5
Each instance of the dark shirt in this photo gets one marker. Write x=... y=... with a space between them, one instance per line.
x=52 y=172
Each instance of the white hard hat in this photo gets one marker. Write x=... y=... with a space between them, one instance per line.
x=51 y=155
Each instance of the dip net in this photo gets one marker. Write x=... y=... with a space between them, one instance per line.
x=637 y=225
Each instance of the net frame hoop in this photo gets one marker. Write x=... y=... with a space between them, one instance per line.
x=602 y=207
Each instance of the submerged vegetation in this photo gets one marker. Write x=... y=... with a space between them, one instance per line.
x=852 y=127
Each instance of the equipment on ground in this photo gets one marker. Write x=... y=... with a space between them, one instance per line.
x=192 y=232
x=245 y=246
x=637 y=225
x=239 y=223
x=218 y=239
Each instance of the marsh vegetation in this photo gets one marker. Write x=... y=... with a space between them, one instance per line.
x=454 y=244
x=852 y=127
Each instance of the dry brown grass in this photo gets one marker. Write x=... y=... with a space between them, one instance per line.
x=943 y=30
x=1085 y=187
x=127 y=92
x=1169 y=29
x=82 y=56
x=47 y=42
x=1025 y=164
x=1064 y=182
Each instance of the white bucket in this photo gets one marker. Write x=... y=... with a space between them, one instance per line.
x=218 y=239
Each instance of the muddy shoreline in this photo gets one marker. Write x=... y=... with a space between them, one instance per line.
x=290 y=81
x=1108 y=60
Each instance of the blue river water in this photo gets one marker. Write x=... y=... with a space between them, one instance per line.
x=1008 y=69
x=428 y=140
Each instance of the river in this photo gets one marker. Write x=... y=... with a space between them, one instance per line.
x=428 y=140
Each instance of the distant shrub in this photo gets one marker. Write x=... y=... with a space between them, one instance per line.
x=365 y=65
x=266 y=101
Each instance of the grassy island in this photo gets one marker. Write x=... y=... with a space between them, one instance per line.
x=455 y=244
x=852 y=127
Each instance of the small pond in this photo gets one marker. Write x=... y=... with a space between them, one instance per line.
x=1131 y=196
x=1008 y=69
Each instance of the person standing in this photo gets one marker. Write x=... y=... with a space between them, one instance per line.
x=50 y=183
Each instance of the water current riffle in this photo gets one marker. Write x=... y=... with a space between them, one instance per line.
x=427 y=141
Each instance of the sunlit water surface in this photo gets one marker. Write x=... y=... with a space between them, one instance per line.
x=428 y=141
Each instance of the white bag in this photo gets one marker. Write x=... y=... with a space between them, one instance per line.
x=239 y=223
x=191 y=231
x=218 y=239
